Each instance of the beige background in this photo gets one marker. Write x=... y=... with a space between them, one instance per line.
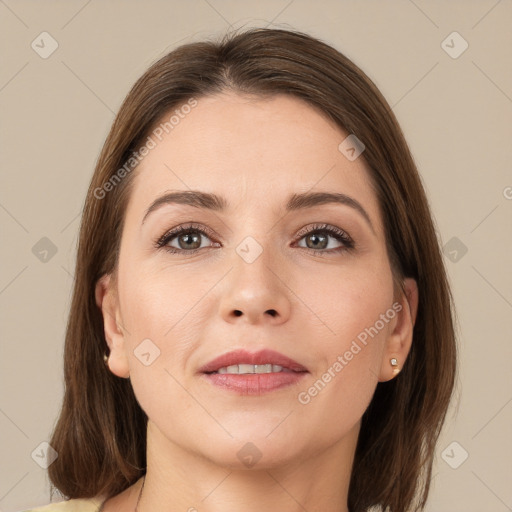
x=455 y=112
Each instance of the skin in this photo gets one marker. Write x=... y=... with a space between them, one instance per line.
x=255 y=152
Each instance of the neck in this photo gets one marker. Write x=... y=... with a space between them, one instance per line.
x=178 y=479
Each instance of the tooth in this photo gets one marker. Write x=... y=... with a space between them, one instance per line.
x=245 y=368
x=262 y=368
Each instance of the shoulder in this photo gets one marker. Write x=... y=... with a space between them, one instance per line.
x=75 y=505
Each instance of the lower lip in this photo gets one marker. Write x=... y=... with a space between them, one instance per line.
x=254 y=383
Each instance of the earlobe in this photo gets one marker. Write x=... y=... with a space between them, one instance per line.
x=399 y=341
x=106 y=300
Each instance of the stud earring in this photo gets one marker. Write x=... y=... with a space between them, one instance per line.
x=105 y=359
x=394 y=364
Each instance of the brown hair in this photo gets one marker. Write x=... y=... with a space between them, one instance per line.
x=100 y=435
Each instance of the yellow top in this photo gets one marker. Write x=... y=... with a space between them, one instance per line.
x=76 y=505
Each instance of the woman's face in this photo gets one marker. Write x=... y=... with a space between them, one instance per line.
x=265 y=274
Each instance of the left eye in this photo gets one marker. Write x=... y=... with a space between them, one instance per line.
x=320 y=240
x=317 y=239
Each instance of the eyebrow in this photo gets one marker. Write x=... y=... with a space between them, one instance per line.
x=210 y=201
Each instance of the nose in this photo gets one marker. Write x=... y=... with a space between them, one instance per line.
x=256 y=292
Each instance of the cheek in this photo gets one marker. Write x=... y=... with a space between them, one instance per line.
x=165 y=316
x=346 y=300
x=157 y=301
x=353 y=317
x=162 y=326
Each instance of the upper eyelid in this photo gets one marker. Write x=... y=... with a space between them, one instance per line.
x=188 y=227
x=318 y=226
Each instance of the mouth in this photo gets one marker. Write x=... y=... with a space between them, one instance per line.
x=253 y=373
x=243 y=362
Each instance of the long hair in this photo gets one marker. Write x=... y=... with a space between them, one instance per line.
x=100 y=435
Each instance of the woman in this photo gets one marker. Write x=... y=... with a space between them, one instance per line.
x=261 y=318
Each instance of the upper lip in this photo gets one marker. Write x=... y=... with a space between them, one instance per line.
x=265 y=356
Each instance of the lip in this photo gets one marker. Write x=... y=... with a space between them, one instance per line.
x=261 y=357
x=253 y=383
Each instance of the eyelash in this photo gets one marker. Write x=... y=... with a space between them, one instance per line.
x=338 y=234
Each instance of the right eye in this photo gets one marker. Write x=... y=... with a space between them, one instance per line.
x=187 y=239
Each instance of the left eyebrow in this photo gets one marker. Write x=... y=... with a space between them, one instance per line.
x=210 y=201
x=311 y=199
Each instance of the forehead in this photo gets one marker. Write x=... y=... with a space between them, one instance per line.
x=253 y=151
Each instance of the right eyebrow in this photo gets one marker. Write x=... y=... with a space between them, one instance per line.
x=194 y=198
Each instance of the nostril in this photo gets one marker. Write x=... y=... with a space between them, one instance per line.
x=271 y=312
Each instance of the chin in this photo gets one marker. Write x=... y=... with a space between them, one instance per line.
x=253 y=450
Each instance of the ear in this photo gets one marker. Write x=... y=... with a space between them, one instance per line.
x=106 y=300
x=399 y=339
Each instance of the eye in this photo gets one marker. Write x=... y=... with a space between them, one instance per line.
x=317 y=237
x=184 y=238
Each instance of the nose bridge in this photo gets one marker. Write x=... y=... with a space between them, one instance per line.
x=255 y=290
